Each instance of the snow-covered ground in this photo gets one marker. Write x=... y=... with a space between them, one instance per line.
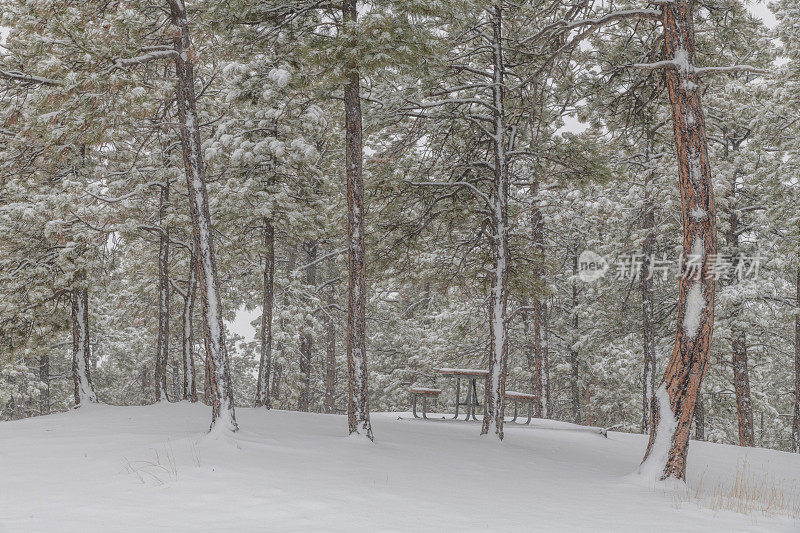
x=152 y=469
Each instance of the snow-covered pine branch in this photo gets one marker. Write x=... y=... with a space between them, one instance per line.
x=466 y=184
x=27 y=79
x=565 y=25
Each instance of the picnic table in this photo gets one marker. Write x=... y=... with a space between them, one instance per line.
x=472 y=375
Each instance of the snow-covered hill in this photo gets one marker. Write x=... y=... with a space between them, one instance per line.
x=153 y=469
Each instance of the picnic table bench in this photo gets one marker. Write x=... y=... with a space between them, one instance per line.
x=517 y=397
x=425 y=393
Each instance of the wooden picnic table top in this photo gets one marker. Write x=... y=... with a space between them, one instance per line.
x=425 y=390
x=520 y=395
x=464 y=372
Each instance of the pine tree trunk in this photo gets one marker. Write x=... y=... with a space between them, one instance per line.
x=330 y=350
x=267 y=304
x=741 y=374
x=574 y=360
x=84 y=391
x=547 y=410
x=208 y=393
x=646 y=284
x=700 y=419
x=796 y=422
x=187 y=335
x=741 y=386
x=307 y=340
x=277 y=373
x=162 y=345
x=674 y=402
x=537 y=385
x=358 y=391
x=223 y=412
x=277 y=380
x=176 y=379
x=44 y=377
x=494 y=409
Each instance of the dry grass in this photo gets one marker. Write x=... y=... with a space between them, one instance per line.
x=750 y=493
x=159 y=470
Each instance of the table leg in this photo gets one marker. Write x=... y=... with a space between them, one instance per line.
x=458 y=396
x=530 y=410
x=474 y=399
x=414 y=404
x=425 y=407
x=468 y=400
x=515 y=412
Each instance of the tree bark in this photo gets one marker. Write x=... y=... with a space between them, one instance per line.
x=277 y=374
x=537 y=378
x=494 y=409
x=358 y=390
x=223 y=411
x=267 y=304
x=674 y=402
x=84 y=391
x=574 y=360
x=162 y=345
x=796 y=422
x=307 y=339
x=176 y=379
x=330 y=349
x=187 y=335
x=741 y=386
x=646 y=284
x=547 y=410
x=741 y=373
x=700 y=419
x=44 y=377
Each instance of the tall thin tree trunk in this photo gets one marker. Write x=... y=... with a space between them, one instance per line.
x=176 y=378
x=277 y=374
x=330 y=347
x=547 y=410
x=574 y=360
x=674 y=402
x=796 y=422
x=741 y=386
x=494 y=409
x=646 y=284
x=84 y=391
x=358 y=389
x=44 y=377
x=223 y=411
x=267 y=304
x=162 y=346
x=307 y=339
x=537 y=385
x=741 y=373
x=187 y=335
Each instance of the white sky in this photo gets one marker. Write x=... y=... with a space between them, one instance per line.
x=762 y=11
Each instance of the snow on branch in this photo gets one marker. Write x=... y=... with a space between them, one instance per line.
x=622 y=14
x=28 y=79
x=566 y=25
x=120 y=63
x=128 y=195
